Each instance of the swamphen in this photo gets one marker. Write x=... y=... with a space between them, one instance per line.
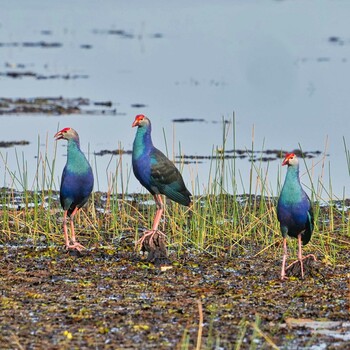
x=156 y=173
x=294 y=212
x=76 y=184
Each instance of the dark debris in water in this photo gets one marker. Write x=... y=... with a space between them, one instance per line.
x=188 y=120
x=118 y=32
x=336 y=40
x=38 y=76
x=116 y=152
x=55 y=106
x=6 y=144
x=252 y=156
x=46 y=32
x=125 y=34
x=138 y=105
x=255 y=156
x=32 y=44
x=86 y=46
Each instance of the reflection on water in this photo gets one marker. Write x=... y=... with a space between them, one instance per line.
x=283 y=73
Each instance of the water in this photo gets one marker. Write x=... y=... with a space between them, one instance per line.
x=281 y=66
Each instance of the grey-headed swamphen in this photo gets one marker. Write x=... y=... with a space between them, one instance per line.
x=76 y=183
x=294 y=212
x=156 y=173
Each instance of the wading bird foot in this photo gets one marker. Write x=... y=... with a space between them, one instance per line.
x=310 y=256
x=77 y=246
x=301 y=263
x=303 y=258
x=149 y=234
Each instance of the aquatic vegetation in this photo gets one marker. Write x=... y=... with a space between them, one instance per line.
x=221 y=289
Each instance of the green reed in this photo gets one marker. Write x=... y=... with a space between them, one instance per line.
x=347 y=155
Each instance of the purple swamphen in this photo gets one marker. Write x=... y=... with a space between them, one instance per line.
x=156 y=173
x=76 y=183
x=294 y=212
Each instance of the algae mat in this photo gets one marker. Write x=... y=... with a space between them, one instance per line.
x=108 y=298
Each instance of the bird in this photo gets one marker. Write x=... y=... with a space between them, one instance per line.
x=76 y=184
x=156 y=173
x=294 y=213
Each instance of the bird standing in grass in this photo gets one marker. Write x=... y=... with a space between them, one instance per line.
x=156 y=173
x=294 y=212
x=76 y=184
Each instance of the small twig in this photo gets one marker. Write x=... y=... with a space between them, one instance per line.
x=200 y=325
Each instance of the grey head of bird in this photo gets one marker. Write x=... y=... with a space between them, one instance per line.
x=141 y=120
x=67 y=134
x=290 y=159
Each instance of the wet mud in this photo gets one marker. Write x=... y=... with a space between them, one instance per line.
x=110 y=296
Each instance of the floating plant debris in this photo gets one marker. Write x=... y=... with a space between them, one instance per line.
x=125 y=34
x=336 y=40
x=39 y=44
x=323 y=59
x=54 y=106
x=187 y=120
x=157 y=35
x=138 y=105
x=198 y=120
x=15 y=65
x=252 y=156
x=20 y=74
x=46 y=32
x=104 y=103
x=119 y=32
x=6 y=144
x=113 y=152
x=86 y=46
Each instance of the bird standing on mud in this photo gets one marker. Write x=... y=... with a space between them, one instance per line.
x=76 y=184
x=156 y=173
x=294 y=212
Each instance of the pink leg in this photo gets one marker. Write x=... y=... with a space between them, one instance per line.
x=158 y=216
x=285 y=254
x=66 y=238
x=159 y=212
x=75 y=244
x=301 y=258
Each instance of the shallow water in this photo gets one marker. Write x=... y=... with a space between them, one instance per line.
x=281 y=66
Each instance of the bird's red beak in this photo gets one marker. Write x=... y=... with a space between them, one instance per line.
x=135 y=123
x=59 y=135
x=138 y=119
x=285 y=162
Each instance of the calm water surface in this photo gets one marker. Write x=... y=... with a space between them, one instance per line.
x=283 y=67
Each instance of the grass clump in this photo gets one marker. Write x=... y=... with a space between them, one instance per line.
x=221 y=220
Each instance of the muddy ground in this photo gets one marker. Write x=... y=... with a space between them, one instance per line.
x=110 y=298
